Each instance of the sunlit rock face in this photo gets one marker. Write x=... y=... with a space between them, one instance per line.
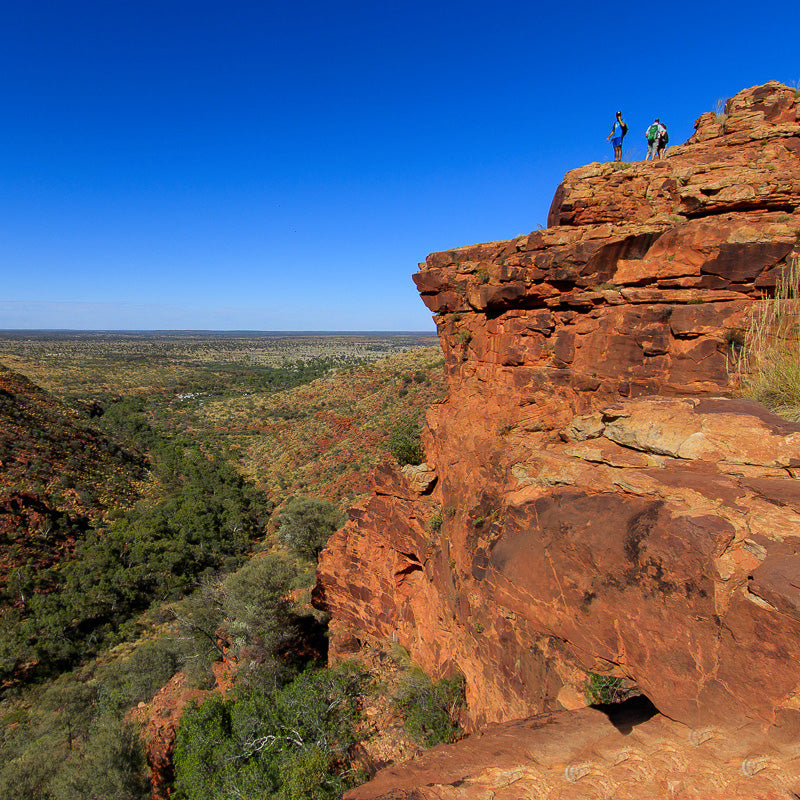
x=595 y=497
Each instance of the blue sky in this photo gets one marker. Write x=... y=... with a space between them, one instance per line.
x=186 y=164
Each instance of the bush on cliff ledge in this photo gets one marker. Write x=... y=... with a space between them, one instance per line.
x=404 y=442
x=431 y=710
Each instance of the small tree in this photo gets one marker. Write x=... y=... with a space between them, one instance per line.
x=250 y=608
x=404 y=442
x=111 y=766
x=257 y=606
x=306 y=525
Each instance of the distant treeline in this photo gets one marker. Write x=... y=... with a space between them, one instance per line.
x=296 y=373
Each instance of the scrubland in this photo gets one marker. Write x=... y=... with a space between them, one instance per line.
x=237 y=457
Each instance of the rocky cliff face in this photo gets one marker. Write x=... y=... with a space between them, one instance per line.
x=594 y=499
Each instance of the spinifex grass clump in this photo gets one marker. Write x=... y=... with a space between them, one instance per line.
x=770 y=360
x=606 y=689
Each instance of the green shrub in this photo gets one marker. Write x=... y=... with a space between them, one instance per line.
x=112 y=766
x=435 y=523
x=307 y=523
x=604 y=689
x=250 y=609
x=293 y=742
x=73 y=742
x=137 y=678
x=431 y=710
x=404 y=442
x=155 y=551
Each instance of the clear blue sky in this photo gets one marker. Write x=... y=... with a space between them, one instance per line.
x=284 y=165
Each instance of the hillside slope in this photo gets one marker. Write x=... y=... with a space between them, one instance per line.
x=325 y=437
x=59 y=476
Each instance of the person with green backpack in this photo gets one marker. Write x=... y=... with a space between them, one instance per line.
x=653 y=135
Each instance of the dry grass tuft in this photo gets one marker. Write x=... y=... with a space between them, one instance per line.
x=769 y=362
x=720 y=113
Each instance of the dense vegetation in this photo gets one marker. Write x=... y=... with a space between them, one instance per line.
x=289 y=743
x=205 y=522
x=307 y=523
x=72 y=740
x=431 y=710
x=404 y=441
x=246 y=616
x=204 y=564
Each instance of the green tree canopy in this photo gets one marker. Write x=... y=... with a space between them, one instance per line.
x=250 y=608
x=269 y=743
x=306 y=524
x=404 y=442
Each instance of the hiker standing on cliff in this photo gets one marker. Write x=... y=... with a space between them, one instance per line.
x=617 y=132
x=663 y=138
x=653 y=133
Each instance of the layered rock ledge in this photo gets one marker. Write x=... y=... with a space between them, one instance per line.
x=595 y=498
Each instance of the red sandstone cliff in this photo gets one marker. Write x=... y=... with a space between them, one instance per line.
x=606 y=506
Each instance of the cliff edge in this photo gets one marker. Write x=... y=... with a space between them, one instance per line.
x=595 y=498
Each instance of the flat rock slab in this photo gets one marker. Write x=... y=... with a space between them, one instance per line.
x=587 y=755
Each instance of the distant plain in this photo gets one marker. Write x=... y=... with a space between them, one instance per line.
x=298 y=412
x=80 y=364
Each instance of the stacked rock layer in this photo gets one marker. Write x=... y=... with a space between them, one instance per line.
x=595 y=498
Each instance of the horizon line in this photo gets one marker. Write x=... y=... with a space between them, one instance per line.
x=188 y=331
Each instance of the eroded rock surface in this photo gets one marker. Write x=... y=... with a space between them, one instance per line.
x=594 y=499
x=584 y=755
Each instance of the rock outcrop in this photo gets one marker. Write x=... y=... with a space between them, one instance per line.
x=595 y=498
